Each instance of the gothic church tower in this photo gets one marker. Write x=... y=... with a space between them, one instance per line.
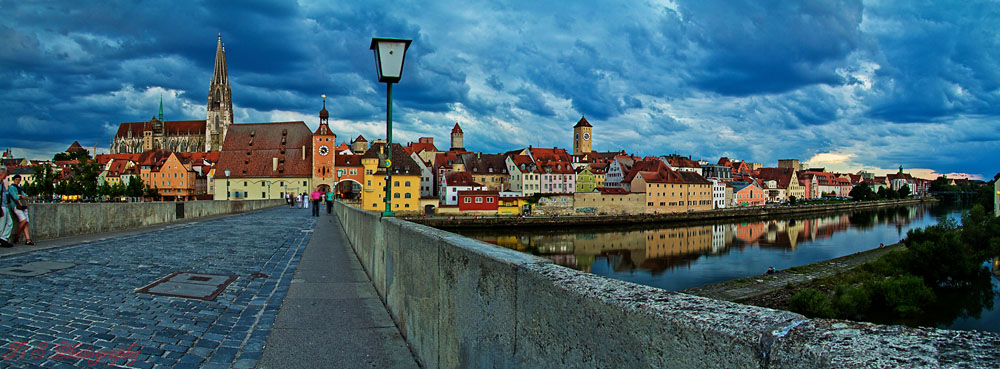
x=220 y=102
x=581 y=137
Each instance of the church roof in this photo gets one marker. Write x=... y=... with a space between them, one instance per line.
x=456 y=129
x=583 y=123
x=75 y=147
x=170 y=127
x=360 y=139
x=250 y=149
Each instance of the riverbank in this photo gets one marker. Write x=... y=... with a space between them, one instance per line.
x=649 y=219
x=774 y=290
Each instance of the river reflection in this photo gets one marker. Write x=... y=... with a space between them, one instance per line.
x=663 y=249
x=676 y=257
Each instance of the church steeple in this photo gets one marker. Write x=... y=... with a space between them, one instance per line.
x=161 y=107
x=220 y=102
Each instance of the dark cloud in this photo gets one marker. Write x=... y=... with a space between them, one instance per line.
x=758 y=81
x=752 y=47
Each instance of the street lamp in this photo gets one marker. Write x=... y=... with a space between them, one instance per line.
x=227 y=184
x=389 y=56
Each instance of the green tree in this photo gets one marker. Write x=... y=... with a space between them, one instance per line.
x=862 y=192
x=135 y=187
x=904 y=192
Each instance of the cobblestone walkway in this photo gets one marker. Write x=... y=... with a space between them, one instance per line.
x=90 y=314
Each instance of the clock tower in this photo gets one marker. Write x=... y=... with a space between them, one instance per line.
x=324 y=147
x=581 y=137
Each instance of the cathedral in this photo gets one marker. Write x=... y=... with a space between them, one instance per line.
x=184 y=135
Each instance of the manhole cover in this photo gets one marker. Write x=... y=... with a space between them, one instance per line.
x=35 y=269
x=189 y=285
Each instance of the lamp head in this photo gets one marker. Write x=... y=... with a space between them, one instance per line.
x=390 y=54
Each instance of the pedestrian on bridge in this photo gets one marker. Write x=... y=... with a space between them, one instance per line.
x=19 y=201
x=329 y=202
x=6 y=223
x=315 y=196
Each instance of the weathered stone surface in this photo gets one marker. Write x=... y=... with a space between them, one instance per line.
x=65 y=220
x=465 y=303
x=846 y=344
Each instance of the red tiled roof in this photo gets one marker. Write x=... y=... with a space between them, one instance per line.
x=456 y=129
x=402 y=163
x=480 y=193
x=678 y=161
x=556 y=167
x=642 y=166
x=553 y=154
x=460 y=179
x=583 y=123
x=421 y=146
x=360 y=139
x=170 y=127
x=612 y=191
x=782 y=175
x=348 y=160
x=105 y=158
x=249 y=150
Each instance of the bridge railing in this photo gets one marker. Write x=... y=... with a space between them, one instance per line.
x=464 y=303
x=55 y=220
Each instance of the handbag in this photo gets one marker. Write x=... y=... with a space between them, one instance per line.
x=21 y=204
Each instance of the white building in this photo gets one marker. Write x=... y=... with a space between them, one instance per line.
x=718 y=193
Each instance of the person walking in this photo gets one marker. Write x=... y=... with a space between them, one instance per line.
x=300 y=197
x=6 y=222
x=19 y=200
x=289 y=201
x=315 y=196
x=329 y=202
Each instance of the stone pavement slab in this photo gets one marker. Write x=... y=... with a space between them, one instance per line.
x=331 y=316
x=89 y=315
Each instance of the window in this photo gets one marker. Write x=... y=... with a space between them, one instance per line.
x=262 y=184
x=395 y=183
x=263 y=195
x=369 y=182
x=304 y=183
x=244 y=183
x=395 y=195
x=407 y=195
x=649 y=204
x=407 y=183
x=479 y=200
x=467 y=200
x=489 y=200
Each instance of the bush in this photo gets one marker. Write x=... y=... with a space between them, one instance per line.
x=906 y=294
x=813 y=303
x=851 y=302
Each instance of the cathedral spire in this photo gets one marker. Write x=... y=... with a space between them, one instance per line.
x=221 y=75
x=161 y=107
x=220 y=103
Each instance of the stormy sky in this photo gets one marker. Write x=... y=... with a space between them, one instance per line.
x=847 y=85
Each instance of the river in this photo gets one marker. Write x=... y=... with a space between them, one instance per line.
x=676 y=257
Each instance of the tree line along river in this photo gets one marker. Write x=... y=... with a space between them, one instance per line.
x=675 y=257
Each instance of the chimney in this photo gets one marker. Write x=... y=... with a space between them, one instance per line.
x=303 y=152
x=274 y=164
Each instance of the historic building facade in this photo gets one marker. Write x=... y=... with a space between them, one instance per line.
x=184 y=135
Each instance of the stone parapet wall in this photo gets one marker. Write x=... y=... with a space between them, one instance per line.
x=74 y=219
x=463 y=303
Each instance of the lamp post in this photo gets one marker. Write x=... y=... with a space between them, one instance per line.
x=227 y=184
x=389 y=56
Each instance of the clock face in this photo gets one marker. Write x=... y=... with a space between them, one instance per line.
x=586 y=136
x=323 y=150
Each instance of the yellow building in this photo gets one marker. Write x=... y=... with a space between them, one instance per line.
x=405 y=180
x=512 y=206
x=670 y=191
